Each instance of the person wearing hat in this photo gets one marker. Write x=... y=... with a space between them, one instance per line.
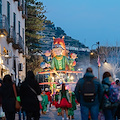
x=47 y=92
x=59 y=62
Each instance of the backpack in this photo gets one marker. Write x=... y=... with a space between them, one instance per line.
x=114 y=93
x=88 y=90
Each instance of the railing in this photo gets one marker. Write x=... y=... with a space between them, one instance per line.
x=16 y=42
x=20 y=42
x=4 y=24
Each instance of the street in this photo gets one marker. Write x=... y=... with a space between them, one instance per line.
x=52 y=115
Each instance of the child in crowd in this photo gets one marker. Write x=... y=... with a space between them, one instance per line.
x=71 y=110
x=44 y=102
x=64 y=101
x=56 y=100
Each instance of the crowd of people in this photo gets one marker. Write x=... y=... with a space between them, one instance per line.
x=94 y=97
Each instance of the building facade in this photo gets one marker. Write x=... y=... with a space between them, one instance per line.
x=12 y=39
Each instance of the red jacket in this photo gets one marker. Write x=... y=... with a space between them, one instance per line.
x=48 y=94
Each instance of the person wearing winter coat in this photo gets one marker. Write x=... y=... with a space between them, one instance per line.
x=117 y=114
x=90 y=106
x=8 y=97
x=108 y=107
x=28 y=94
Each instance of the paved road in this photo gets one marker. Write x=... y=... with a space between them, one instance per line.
x=52 y=115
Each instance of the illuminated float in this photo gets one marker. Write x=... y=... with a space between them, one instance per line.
x=59 y=66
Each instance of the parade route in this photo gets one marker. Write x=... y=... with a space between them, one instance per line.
x=52 y=115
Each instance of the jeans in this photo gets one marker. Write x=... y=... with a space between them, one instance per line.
x=109 y=113
x=20 y=115
x=94 y=111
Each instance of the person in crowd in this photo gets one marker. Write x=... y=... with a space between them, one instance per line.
x=89 y=93
x=28 y=94
x=118 y=108
x=64 y=101
x=47 y=92
x=56 y=100
x=117 y=114
x=71 y=110
x=44 y=102
x=18 y=98
x=108 y=107
x=8 y=97
x=2 y=114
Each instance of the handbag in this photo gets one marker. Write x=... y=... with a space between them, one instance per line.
x=17 y=104
x=38 y=96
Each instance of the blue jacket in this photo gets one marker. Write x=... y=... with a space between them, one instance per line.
x=98 y=89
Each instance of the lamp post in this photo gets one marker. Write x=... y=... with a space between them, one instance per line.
x=98 y=55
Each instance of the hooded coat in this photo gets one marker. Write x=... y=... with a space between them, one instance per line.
x=98 y=90
x=28 y=98
x=106 y=84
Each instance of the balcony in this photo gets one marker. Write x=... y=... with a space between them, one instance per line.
x=4 y=29
x=12 y=35
x=15 y=43
x=21 y=44
x=20 y=5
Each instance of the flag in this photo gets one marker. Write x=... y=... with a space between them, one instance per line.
x=98 y=62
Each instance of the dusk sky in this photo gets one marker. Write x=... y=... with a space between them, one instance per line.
x=88 y=21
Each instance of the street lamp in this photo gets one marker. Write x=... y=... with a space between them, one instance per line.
x=98 y=55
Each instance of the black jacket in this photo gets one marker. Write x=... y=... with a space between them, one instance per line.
x=8 y=97
x=28 y=98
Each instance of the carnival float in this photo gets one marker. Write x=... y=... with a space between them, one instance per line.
x=58 y=65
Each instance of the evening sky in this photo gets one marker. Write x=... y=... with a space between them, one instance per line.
x=88 y=21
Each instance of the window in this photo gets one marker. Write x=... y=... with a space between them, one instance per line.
x=14 y=21
x=23 y=34
x=19 y=27
x=8 y=12
x=8 y=15
x=0 y=7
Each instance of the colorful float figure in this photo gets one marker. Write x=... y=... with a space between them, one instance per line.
x=60 y=65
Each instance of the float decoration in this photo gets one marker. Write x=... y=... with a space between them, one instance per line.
x=59 y=65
